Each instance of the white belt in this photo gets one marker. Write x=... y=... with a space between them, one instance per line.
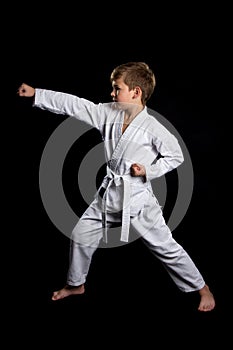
x=118 y=179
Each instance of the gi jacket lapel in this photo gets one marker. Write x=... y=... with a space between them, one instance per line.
x=127 y=136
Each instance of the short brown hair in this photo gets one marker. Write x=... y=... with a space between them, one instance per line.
x=136 y=74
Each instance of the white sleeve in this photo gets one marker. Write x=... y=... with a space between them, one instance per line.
x=171 y=156
x=70 y=105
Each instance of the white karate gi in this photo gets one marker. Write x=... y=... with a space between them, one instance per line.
x=122 y=198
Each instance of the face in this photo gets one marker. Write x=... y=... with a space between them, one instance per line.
x=120 y=92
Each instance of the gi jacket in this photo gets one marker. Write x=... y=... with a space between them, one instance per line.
x=142 y=142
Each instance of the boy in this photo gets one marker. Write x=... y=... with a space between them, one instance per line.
x=138 y=149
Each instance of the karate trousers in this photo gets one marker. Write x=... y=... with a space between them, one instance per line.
x=150 y=227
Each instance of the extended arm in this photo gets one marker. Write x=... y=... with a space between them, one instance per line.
x=64 y=103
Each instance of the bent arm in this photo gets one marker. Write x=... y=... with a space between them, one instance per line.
x=171 y=157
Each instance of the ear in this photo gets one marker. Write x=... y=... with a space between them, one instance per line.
x=137 y=92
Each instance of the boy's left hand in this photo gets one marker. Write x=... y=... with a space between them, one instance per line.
x=137 y=170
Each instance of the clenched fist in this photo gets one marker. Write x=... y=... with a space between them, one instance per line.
x=26 y=90
x=137 y=170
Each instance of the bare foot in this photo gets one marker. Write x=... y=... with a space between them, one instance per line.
x=67 y=291
x=207 y=302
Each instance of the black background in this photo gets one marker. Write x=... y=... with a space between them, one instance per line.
x=128 y=293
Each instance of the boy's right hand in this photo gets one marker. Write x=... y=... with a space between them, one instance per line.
x=26 y=90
